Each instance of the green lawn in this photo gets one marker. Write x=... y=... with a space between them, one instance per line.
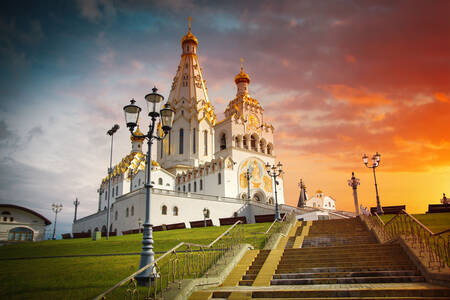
x=85 y=277
x=436 y=222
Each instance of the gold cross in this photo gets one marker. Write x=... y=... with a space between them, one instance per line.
x=242 y=64
x=189 y=18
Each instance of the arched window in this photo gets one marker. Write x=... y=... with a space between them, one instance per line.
x=184 y=188
x=116 y=215
x=127 y=212
x=164 y=210
x=253 y=141
x=195 y=186
x=245 y=142
x=117 y=191
x=175 y=211
x=181 y=142
x=237 y=142
x=223 y=142
x=139 y=182
x=201 y=184
x=132 y=211
x=194 y=143
x=103 y=228
x=269 y=149
x=189 y=187
x=96 y=229
x=219 y=178
x=160 y=181
x=262 y=145
x=205 y=141
x=20 y=234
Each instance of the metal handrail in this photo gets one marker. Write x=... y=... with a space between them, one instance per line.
x=155 y=264
x=433 y=247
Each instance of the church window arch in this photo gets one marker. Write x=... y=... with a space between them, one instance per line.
x=201 y=184
x=164 y=210
x=127 y=212
x=262 y=145
x=117 y=190
x=245 y=142
x=103 y=228
x=237 y=141
x=223 y=141
x=184 y=188
x=205 y=142
x=270 y=149
x=195 y=186
x=175 y=210
x=132 y=210
x=160 y=181
x=194 y=144
x=181 y=142
x=219 y=178
x=116 y=215
x=254 y=142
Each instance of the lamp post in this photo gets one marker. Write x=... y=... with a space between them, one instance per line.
x=56 y=209
x=76 y=203
x=274 y=171
x=249 y=170
x=131 y=117
x=375 y=163
x=354 y=182
x=108 y=210
x=139 y=224
x=205 y=214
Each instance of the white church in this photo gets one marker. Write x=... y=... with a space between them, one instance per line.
x=201 y=164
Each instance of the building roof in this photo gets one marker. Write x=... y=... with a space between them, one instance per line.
x=47 y=221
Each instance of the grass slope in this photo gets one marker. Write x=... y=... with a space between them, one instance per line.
x=436 y=222
x=86 y=277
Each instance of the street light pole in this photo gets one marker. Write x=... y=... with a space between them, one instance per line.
x=56 y=209
x=108 y=209
x=274 y=171
x=166 y=115
x=354 y=182
x=76 y=203
x=375 y=163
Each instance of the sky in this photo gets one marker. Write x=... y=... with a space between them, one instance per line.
x=337 y=79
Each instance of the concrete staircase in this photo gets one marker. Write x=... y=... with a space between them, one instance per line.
x=332 y=259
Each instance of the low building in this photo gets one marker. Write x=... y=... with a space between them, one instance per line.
x=18 y=223
x=320 y=200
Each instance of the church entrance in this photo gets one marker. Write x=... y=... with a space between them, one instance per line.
x=20 y=234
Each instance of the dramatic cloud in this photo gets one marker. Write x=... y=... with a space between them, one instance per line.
x=336 y=78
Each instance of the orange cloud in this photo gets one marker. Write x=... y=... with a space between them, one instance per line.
x=355 y=96
x=442 y=97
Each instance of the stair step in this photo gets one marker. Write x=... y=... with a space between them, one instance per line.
x=412 y=272
x=344 y=269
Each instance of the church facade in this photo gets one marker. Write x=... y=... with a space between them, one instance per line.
x=202 y=163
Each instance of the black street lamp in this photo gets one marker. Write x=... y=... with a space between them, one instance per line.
x=205 y=214
x=274 y=171
x=108 y=209
x=166 y=115
x=375 y=163
x=248 y=173
x=56 y=209
x=76 y=203
x=353 y=183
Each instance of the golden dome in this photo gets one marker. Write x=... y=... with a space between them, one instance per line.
x=137 y=132
x=155 y=163
x=189 y=36
x=242 y=76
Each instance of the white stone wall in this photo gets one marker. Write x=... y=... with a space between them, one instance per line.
x=21 y=219
x=321 y=201
x=190 y=208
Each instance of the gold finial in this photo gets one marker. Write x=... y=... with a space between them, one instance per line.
x=189 y=19
x=242 y=64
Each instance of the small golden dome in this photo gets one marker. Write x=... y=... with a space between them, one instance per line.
x=137 y=139
x=189 y=37
x=155 y=163
x=319 y=192
x=242 y=76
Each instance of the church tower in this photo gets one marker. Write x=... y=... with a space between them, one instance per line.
x=191 y=140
